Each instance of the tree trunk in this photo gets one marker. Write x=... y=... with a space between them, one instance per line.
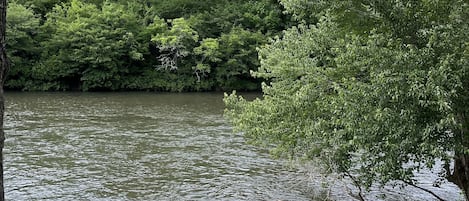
x=4 y=66
x=460 y=175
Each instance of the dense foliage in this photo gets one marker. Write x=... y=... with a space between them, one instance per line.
x=375 y=90
x=138 y=45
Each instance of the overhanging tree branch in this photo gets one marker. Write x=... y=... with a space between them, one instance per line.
x=424 y=189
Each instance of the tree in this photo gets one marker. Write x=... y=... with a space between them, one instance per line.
x=89 y=47
x=40 y=6
x=375 y=99
x=23 y=48
x=175 y=42
x=209 y=53
x=238 y=58
x=171 y=9
x=4 y=66
x=263 y=16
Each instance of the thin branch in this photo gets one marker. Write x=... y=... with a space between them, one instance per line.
x=355 y=182
x=423 y=189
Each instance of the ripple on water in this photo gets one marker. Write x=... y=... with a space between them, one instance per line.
x=132 y=147
x=136 y=146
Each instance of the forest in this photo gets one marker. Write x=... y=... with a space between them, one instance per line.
x=156 y=45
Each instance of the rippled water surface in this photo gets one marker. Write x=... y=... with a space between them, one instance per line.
x=140 y=146
x=132 y=146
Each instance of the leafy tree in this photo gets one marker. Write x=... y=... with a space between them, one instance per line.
x=209 y=53
x=230 y=58
x=171 y=9
x=22 y=28
x=40 y=7
x=175 y=42
x=238 y=58
x=234 y=30
x=264 y=16
x=90 y=47
x=375 y=102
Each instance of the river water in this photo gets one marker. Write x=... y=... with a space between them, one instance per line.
x=139 y=146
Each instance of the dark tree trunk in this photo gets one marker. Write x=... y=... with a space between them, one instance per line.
x=4 y=66
x=460 y=175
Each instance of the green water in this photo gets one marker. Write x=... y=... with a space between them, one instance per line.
x=133 y=146
x=150 y=146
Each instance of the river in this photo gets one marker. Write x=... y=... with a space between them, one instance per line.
x=139 y=146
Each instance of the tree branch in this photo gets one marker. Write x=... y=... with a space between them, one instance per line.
x=423 y=189
x=355 y=182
